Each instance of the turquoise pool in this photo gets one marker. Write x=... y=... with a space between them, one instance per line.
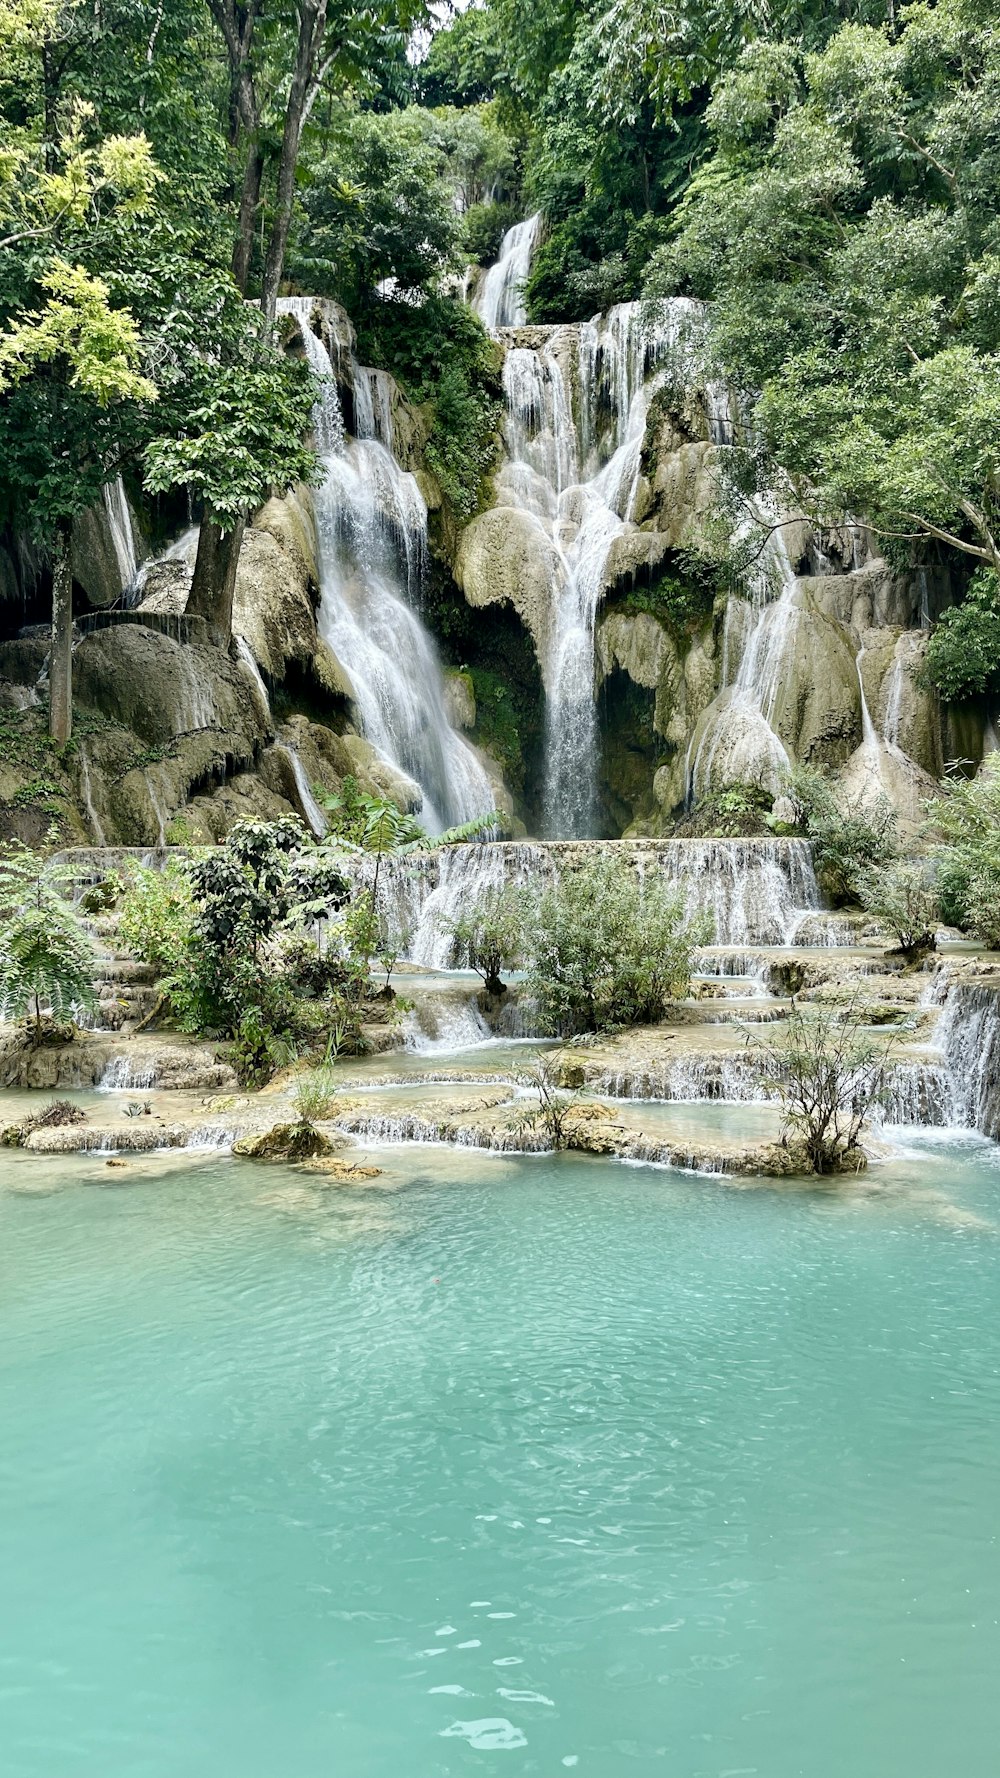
x=513 y=1465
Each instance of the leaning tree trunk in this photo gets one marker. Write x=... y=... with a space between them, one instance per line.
x=61 y=652
x=214 y=581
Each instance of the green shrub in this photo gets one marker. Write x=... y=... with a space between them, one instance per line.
x=903 y=896
x=963 y=654
x=829 y=1076
x=157 y=915
x=966 y=820
x=313 y=1095
x=490 y=937
x=605 y=950
x=440 y=352
x=849 y=839
x=46 y=955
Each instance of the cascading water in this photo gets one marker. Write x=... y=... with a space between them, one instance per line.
x=736 y=739
x=500 y=302
x=756 y=891
x=119 y=519
x=576 y=474
x=371 y=522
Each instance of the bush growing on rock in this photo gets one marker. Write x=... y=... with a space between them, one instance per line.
x=491 y=936
x=849 y=839
x=829 y=1076
x=967 y=820
x=903 y=897
x=606 y=950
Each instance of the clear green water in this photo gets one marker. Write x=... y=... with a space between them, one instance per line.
x=643 y=1473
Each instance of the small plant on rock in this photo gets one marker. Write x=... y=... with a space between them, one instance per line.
x=313 y=1096
x=829 y=1076
x=551 y=1112
x=903 y=897
x=490 y=936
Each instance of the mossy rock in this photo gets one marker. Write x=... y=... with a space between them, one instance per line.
x=285 y=1142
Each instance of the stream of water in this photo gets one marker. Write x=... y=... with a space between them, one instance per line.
x=371 y=522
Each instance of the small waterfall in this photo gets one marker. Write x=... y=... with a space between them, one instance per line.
x=123 y=1075
x=160 y=810
x=119 y=519
x=86 y=794
x=196 y=702
x=421 y=894
x=756 y=891
x=577 y=477
x=968 y=1036
x=445 y=1022
x=736 y=738
x=309 y=808
x=371 y=522
x=246 y=660
x=500 y=302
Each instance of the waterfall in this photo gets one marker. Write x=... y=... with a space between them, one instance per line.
x=737 y=732
x=445 y=1022
x=246 y=660
x=119 y=519
x=577 y=476
x=311 y=812
x=756 y=891
x=500 y=302
x=86 y=793
x=968 y=1036
x=371 y=524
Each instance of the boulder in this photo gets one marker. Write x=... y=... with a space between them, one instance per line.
x=506 y=556
x=288 y=1142
x=459 y=698
x=160 y=688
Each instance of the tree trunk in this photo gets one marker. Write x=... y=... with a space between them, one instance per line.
x=253 y=174
x=312 y=25
x=61 y=653
x=214 y=581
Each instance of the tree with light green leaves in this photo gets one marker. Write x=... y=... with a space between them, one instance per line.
x=71 y=375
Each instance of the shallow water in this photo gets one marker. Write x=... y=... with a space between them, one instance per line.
x=516 y=1464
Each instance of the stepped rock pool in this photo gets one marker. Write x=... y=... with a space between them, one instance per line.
x=499 y=1464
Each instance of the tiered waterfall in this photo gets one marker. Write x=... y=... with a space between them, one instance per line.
x=576 y=410
x=371 y=524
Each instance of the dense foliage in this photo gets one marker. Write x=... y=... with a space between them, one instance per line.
x=967 y=822
x=46 y=956
x=604 y=949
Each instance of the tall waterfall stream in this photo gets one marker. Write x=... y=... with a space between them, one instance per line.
x=371 y=523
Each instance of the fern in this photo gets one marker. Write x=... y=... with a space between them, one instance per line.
x=46 y=954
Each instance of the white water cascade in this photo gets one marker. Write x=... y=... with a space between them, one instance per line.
x=500 y=302
x=736 y=738
x=371 y=522
x=576 y=417
x=757 y=892
x=119 y=519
